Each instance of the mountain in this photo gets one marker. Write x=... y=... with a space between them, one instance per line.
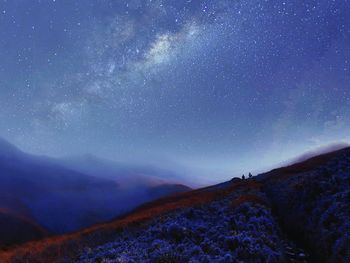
x=298 y=213
x=124 y=174
x=16 y=229
x=8 y=150
x=312 y=201
x=41 y=196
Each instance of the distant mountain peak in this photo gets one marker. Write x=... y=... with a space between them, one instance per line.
x=7 y=149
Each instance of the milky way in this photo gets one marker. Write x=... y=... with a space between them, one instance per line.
x=215 y=87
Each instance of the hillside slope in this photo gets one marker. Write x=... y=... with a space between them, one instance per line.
x=313 y=204
x=298 y=213
x=17 y=229
x=40 y=197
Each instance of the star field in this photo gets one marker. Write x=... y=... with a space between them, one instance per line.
x=216 y=87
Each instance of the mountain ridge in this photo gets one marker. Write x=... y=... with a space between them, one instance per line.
x=250 y=198
x=60 y=199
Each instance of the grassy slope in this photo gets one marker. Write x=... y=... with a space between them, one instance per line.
x=19 y=229
x=312 y=201
x=68 y=246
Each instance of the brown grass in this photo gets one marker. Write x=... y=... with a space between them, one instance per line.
x=55 y=248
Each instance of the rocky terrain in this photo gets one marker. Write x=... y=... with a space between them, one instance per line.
x=299 y=213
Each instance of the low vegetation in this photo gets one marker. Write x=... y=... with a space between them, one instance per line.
x=264 y=219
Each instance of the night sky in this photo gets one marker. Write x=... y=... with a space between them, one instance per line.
x=216 y=87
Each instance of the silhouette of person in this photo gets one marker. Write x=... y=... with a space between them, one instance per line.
x=243 y=177
x=250 y=175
